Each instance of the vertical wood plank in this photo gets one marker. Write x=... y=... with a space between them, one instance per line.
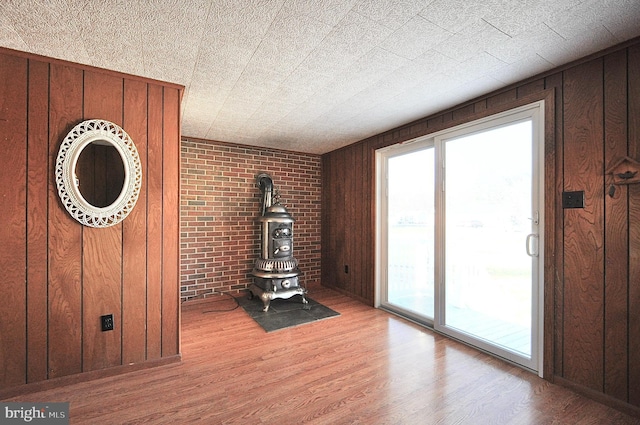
x=65 y=234
x=550 y=232
x=480 y=106
x=616 y=229
x=13 y=175
x=464 y=112
x=326 y=218
x=353 y=198
x=330 y=220
x=349 y=210
x=535 y=86
x=633 y=96
x=369 y=223
x=341 y=230
x=362 y=195
x=502 y=98
x=102 y=247
x=365 y=224
x=337 y=222
x=38 y=156
x=170 y=223
x=555 y=82
x=371 y=220
x=583 y=229
x=153 y=185
x=134 y=261
x=101 y=295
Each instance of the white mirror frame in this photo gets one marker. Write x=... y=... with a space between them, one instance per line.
x=67 y=183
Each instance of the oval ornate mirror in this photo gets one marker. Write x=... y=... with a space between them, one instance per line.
x=98 y=173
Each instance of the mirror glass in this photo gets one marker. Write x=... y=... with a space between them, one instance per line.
x=100 y=173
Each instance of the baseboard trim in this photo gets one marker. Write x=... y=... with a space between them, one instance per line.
x=605 y=399
x=85 y=376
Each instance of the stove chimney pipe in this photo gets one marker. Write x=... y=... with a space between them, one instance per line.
x=266 y=187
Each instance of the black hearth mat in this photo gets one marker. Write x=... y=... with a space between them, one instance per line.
x=284 y=314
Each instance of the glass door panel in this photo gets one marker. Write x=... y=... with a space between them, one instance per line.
x=488 y=269
x=410 y=245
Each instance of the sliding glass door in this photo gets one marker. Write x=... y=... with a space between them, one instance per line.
x=460 y=226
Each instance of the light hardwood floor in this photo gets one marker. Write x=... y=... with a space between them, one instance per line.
x=364 y=367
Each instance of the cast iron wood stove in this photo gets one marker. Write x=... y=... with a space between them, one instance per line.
x=276 y=273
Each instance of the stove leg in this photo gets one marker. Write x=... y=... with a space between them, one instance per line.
x=265 y=296
x=266 y=301
x=305 y=303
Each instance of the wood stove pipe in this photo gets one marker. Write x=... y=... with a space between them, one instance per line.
x=265 y=183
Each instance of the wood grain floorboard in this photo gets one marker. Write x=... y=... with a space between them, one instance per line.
x=363 y=367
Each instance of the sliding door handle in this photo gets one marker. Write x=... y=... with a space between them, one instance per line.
x=532 y=245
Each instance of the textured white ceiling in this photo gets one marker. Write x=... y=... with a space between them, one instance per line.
x=315 y=75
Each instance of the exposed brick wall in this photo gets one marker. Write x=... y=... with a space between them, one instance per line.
x=220 y=205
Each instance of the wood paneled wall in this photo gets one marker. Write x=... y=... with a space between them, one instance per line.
x=592 y=270
x=59 y=277
x=348 y=227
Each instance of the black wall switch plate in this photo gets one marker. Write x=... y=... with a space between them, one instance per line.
x=106 y=322
x=573 y=199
